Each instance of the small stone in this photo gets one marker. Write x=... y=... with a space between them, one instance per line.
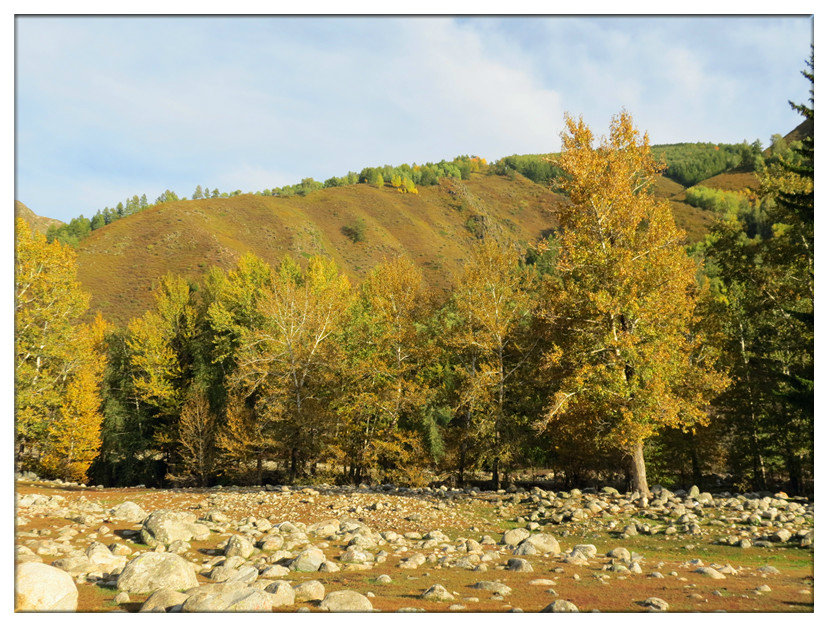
x=657 y=604
x=346 y=601
x=437 y=593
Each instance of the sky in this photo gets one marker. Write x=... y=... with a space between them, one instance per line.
x=109 y=107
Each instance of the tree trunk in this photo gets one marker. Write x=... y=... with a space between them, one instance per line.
x=638 y=471
x=694 y=460
x=259 y=469
x=496 y=473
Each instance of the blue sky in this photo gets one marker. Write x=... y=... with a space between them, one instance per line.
x=109 y=107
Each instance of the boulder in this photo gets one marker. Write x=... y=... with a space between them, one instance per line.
x=39 y=587
x=654 y=603
x=153 y=571
x=129 y=512
x=165 y=527
x=437 y=593
x=309 y=591
x=493 y=586
x=281 y=593
x=346 y=601
x=308 y=561
x=166 y=599
x=560 y=606
x=513 y=537
x=709 y=572
x=540 y=543
x=519 y=565
x=244 y=600
x=239 y=546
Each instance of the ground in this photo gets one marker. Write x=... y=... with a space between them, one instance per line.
x=594 y=586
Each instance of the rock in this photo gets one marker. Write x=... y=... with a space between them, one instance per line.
x=493 y=586
x=519 y=565
x=513 y=537
x=165 y=527
x=768 y=570
x=232 y=600
x=39 y=587
x=274 y=572
x=75 y=565
x=560 y=606
x=238 y=546
x=346 y=601
x=709 y=572
x=619 y=553
x=281 y=593
x=541 y=543
x=166 y=599
x=309 y=591
x=329 y=567
x=308 y=561
x=437 y=593
x=272 y=542
x=128 y=511
x=383 y=579
x=152 y=571
x=587 y=550
x=781 y=535
x=542 y=582
x=655 y=603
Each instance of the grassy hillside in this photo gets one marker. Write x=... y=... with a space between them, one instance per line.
x=38 y=223
x=357 y=225
x=119 y=263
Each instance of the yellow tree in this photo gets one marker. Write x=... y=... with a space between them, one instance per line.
x=74 y=438
x=58 y=363
x=495 y=303
x=382 y=390
x=623 y=304
x=285 y=364
x=165 y=353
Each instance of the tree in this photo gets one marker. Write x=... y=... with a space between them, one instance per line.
x=382 y=391
x=166 y=356
x=57 y=360
x=73 y=439
x=196 y=433
x=494 y=298
x=622 y=306
x=285 y=363
x=377 y=180
x=198 y=193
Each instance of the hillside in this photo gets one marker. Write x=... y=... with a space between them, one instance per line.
x=38 y=223
x=119 y=263
x=357 y=225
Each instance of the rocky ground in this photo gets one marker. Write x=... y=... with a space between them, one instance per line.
x=328 y=548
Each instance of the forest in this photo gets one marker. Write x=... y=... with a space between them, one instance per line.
x=609 y=351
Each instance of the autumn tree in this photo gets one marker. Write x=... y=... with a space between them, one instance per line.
x=286 y=362
x=382 y=388
x=494 y=299
x=166 y=356
x=196 y=433
x=622 y=304
x=58 y=360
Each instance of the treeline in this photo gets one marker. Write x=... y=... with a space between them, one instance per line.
x=604 y=353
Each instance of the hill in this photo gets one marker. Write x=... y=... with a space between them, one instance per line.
x=119 y=263
x=38 y=223
x=358 y=225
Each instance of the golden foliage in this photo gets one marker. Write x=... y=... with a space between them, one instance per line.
x=624 y=307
